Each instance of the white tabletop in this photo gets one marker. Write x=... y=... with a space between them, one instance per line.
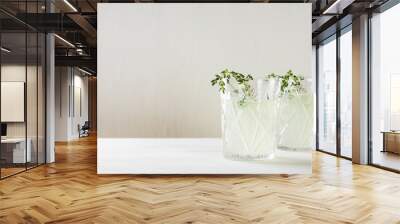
x=189 y=156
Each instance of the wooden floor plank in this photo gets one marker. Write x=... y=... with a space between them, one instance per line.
x=70 y=191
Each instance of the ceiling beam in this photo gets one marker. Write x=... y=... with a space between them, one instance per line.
x=337 y=7
x=84 y=24
x=83 y=61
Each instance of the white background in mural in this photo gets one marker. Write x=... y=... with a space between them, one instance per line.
x=157 y=112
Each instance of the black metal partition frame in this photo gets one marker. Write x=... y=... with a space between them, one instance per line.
x=23 y=59
x=334 y=37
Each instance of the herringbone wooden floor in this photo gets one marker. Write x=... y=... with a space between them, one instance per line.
x=70 y=191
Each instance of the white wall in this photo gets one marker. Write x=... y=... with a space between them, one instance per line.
x=67 y=116
x=34 y=126
x=155 y=70
x=18 y=73
x=80 y=109
x=62 y=80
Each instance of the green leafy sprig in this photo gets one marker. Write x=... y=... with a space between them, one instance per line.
x=290 y=83
x=243 y=80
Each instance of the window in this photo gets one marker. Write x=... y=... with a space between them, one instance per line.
x=346 y=93
x=327 y=96
x=385 y=89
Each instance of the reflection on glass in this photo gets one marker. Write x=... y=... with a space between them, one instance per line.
x=13 y=84
x=346 y=94
x=386 y=89
x=22 y=90
x=327 y=96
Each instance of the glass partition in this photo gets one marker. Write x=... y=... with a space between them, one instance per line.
x=22 y=77
x=13 y=94
x=385 y=89
x=327 y=96
x=31 y=99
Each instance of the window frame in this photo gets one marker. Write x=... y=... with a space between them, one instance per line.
x=334 y=37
